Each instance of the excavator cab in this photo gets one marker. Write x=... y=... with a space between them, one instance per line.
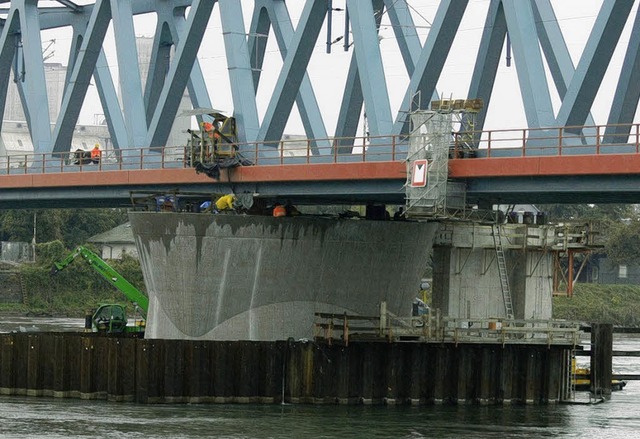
x=110 y=318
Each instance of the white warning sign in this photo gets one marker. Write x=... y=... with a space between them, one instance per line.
x=419 y=174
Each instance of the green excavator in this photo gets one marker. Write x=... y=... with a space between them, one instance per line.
x=110 y=317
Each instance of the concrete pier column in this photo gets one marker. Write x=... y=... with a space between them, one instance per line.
x=466 y=275
x=233 y=277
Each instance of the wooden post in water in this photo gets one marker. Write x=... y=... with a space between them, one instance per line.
x=601 y=353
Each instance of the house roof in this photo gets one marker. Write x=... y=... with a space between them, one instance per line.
x=121 y=234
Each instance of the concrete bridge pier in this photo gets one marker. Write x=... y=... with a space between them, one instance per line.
x=466 y=276
x=235 y=277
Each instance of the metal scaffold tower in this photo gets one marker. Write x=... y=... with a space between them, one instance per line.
x=428 y=163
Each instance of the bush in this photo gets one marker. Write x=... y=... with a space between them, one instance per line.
x=592 y=303
x=76 y=289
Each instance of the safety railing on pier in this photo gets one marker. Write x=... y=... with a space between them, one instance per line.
x=432 y=327
x=560 y=141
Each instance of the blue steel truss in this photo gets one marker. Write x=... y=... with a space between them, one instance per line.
x=141 y=117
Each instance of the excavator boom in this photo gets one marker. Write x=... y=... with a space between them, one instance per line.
x=106 y=271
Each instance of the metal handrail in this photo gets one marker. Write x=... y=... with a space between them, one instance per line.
x=432 y=327
x=552 y=141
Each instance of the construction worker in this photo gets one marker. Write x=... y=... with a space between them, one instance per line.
x=279 y=210
x=207 y=127
x=291 y=209
x=96 y=154
x=225 y=202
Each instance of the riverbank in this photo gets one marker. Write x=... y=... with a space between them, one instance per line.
x=617 y=304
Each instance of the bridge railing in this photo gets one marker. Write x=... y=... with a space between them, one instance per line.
x=288 y=151
x=553 y=141
x=596 y=139
x=328 y=150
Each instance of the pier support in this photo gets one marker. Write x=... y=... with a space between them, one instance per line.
x=466 y=278
x=236 y=277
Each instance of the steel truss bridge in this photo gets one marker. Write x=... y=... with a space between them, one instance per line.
x=506 y=169
x=139 y=121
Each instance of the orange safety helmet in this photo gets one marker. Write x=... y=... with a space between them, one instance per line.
x=207 y=126
x=279 y=210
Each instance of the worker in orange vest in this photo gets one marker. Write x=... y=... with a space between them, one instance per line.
x=279 y=210
x=96 y=154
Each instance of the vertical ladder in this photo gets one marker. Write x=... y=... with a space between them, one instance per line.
x=502 y=271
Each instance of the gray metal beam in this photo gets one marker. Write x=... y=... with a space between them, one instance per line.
x=159 y=65
x=258 y=38
x=594 y=62
x=8 y=42
x=306 y=99
x=352 y=98
x=405 y=31
x=555 y=51
x=240 y=73
x=35 y=84
x=197 y=85
x=488 y=58
x=625 y=100
x=110 y=104
x=529 y=65
x=56 y=17
x=293 y=71
x=129 y=78
x=80 y=75
x=367 y=50
x=432 y=58
x=179 y=72
x=71 y=5
x=406 y=34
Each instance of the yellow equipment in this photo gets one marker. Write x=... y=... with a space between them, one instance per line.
x=214 y=141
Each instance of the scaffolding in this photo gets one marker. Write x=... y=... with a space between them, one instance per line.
x=428 y=191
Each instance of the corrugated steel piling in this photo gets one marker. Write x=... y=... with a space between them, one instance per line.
x=601 y=354
x=92 y=366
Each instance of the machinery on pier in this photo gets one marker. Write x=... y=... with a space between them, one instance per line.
x=214 y=145
x=110 y=317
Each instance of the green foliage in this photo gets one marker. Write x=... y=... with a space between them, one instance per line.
x=617 y=226
x=592 y=303
x=49 y=252
x=606 y=213
x=78 y=287
x=623 y=245
x=71 y=226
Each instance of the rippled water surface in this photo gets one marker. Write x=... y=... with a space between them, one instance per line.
x=30 y=417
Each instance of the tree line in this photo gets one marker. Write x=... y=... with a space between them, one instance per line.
x=70 y=226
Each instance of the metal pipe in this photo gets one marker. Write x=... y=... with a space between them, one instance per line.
x=329 y=23
x=346 y=30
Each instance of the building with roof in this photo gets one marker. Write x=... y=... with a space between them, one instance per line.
x=115 y=243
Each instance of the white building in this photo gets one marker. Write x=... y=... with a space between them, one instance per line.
x=115 y=243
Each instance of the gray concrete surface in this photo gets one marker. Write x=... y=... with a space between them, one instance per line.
x=231 y=277
x=466 y=282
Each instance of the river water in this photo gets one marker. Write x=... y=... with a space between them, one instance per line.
x=30 y=417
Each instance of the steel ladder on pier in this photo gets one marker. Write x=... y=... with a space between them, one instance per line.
x=502 y=270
